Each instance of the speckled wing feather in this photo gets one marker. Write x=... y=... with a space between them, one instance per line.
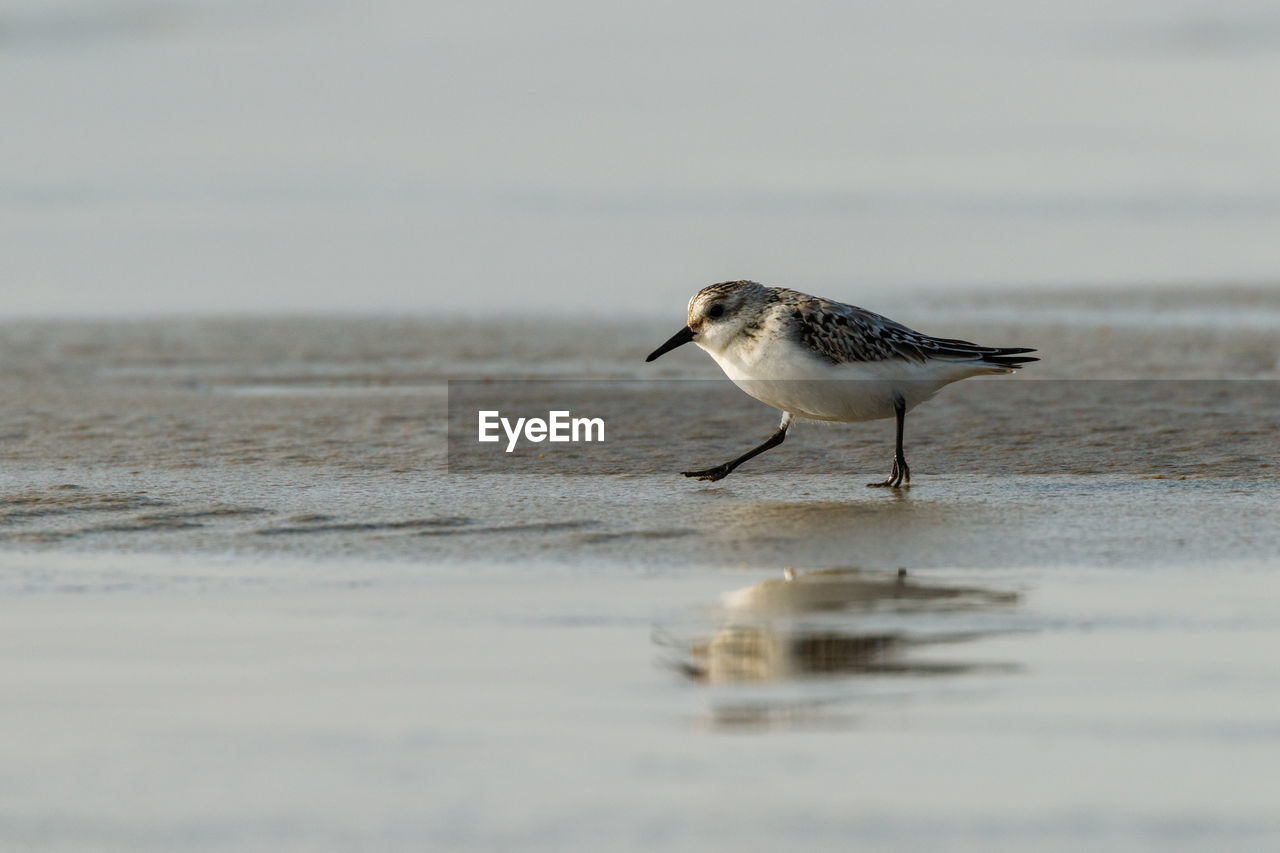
x=840 y=334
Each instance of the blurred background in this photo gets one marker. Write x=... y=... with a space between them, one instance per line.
x=251 y=600
x=230 y=156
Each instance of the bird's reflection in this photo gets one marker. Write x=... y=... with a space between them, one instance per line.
x=807 y=628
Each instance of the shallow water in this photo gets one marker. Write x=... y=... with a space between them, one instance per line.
x=251 y=598
x=252 y=601
x=319 y=705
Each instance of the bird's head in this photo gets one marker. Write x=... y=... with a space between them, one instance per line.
x=717 y=314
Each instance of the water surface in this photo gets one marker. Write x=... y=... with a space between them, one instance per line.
x=251 y=601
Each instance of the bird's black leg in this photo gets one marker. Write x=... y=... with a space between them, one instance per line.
x=721 y=471
x=901 y=474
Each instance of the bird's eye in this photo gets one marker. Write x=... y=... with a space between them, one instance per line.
x=716 y=310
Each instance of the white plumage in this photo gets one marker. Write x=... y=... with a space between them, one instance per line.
x=823 y=360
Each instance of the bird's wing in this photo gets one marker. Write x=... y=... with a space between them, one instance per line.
x=840 y=334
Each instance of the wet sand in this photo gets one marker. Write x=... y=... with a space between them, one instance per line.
x=252 y=600
x=1127 y=444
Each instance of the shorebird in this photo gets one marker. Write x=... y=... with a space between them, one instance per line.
x=816 y=359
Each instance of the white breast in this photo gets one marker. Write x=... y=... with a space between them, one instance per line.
x=782 y=374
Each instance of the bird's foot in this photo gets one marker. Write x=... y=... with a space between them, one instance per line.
x=891 y=483
x=711 y=474
x=899 y=478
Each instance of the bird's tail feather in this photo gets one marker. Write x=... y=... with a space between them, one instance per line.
x=1010 y=357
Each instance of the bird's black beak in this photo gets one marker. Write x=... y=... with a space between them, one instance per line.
x=679 y=339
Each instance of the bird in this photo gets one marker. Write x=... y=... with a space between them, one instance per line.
x=818 y=359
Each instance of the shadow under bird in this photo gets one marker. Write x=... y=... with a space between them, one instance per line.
x=821 y=360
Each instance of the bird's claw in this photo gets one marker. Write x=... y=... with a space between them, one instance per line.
x=711 y=474
x=899 y=478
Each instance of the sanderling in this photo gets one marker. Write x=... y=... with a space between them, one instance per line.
x=821 y=360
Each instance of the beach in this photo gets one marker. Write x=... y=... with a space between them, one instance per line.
x=252 y=599
x=269 y=269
